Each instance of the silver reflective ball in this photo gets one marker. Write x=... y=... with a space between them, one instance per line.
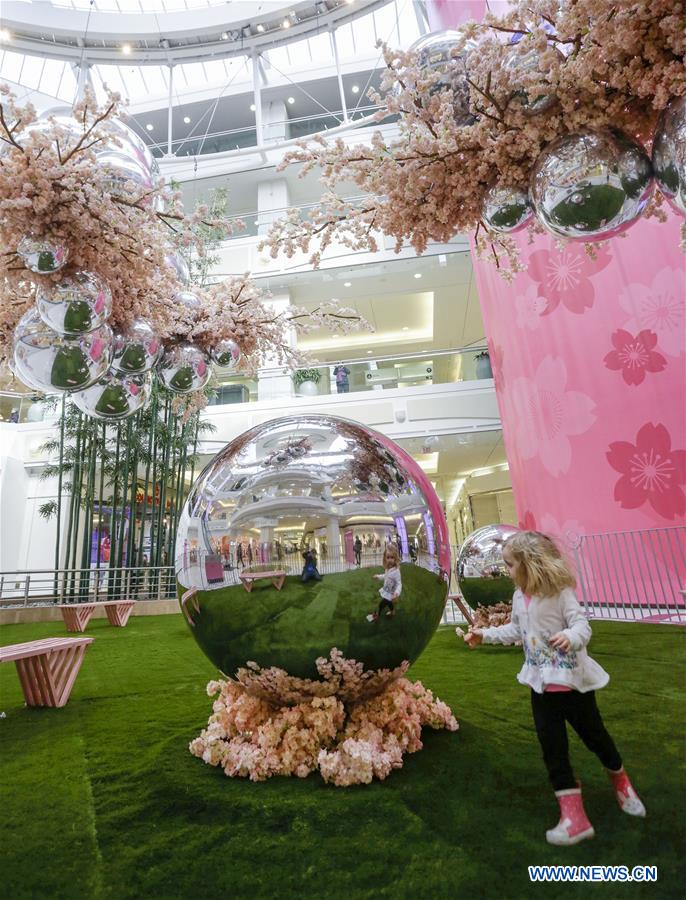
x=176 y=261
x=314 y=500
x=188 y=299
x=506 y=209
x=184 y=368
x=113 y=397
x=125 y=178
x=77 y=304
x=42 y=255
x=434 y=56
x=590 y=186
x=53 y=362
x=481 y=571
x=226 y=353
x=519 y=64
x=132 y=145
x=669 y=154
x=137 y=349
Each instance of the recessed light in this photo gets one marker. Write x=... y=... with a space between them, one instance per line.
x=225 y=35
x=355 y=89
x=347 y=283
x=260 y=28
x=5 y=34
x=406 y=328
x=150 y=126
x=187 y=120
x=417 y=274
x=126 y=48
x=285 y=24
x=252 y=107
x=291 y=99
x=369 y=352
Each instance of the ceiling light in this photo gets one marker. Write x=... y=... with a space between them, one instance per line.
x=5 y=34
x=260 y=28
x=369 y=352
x=285 y=24
x=187 y=120
x=355 y=89
x=406 y=328
x=225 y=35
x=417 y=274
x=347 y=283
x=150 y=126
x=126 y=48
x=291 y=99
x=252 y=107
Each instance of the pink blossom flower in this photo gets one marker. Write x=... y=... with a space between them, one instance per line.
x=528 y=522
x=564 y=276
x=659 y=307
x=546 y=414
x=566 y=533
x=651 y=472
x=530 y=306
x=634 y=356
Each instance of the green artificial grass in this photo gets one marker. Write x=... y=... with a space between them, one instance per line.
x=292 y=627
x=102 y=799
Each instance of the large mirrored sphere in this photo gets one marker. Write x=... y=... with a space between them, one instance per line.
x=189 y=300
x=312 y=502
x=133 y=145
x=113 y=397
x=434 y=56
x=42 y=255
x=226 y=353
x=54 y=362
x=137 y=349
x=519 y=64
x=77 y=304
x=125 y=178
x=506 y=209
x=669 y=154
x=176 y=261
x=184 y=368
x=591 y=186
x=481 y=571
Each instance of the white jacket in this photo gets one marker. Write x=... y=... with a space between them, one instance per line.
x=544 y=664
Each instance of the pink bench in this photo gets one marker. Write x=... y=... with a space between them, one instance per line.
x=276 y=578
x=77 y=615
x=47 y=668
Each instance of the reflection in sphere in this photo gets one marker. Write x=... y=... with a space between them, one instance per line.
x=226 y=353
x=176 y=261
x=184 y=368
x=590 y=186
x=42 y=255
x=669 y=154
x=188 y=299
x=48 y=361
x=77 y=304
x=519 y=64
x=137 y=348
x=132 y=145
x=321 y=483
x=125 y=178
x=481 y=571
x=434 y=56
x=506 y=209
x=113 y=397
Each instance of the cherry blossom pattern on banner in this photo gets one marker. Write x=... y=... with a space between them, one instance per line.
x=495 y=352
x=564 y=276
x=634 y=356
x=651 y=472
x=546 y=414
x=659 y=307
x=528 y=522
x=530 y=306
x=566 y=534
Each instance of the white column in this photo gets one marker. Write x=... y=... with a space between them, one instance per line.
x=334 y=47
x=272 y=382
x=274 y=121
x=272 y=199
x=257 y=91
x=170 y=108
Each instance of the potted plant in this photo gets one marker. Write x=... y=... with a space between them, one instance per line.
x=306 y=381
x=483 y=365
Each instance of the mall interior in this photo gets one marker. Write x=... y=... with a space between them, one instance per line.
x=551 y=402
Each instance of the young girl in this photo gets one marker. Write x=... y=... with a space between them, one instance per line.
x=392 y=584
x=563 y=678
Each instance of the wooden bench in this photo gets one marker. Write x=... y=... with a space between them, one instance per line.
x=276 y=578
x=47 y=668
x=77 y=615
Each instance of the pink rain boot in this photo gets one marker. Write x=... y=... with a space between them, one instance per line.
x=573 y=825
x=627 y=797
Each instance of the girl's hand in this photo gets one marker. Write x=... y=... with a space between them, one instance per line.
x=560 y=642
x=473 y=637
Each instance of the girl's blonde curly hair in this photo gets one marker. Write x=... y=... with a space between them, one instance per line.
x=543 y=571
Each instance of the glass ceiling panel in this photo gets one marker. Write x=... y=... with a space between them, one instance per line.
x=147 y=6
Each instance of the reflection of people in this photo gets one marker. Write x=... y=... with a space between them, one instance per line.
x=357 y=547
x=239 y=554
x=310 y=571
x=392 y=583
x=341 y=375
x=563 y=678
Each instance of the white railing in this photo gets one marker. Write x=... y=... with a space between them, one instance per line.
x=47 y=586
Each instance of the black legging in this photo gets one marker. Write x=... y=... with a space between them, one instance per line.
x=552 y=710
x=385 y=603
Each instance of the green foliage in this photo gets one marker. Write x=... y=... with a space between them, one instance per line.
x=306 y=375
x=48 y=510
x=105 y=794
x=210 y=238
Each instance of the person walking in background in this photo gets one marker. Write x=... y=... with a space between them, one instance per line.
x=341 y=375
x=563 y=678
x=357 y=547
